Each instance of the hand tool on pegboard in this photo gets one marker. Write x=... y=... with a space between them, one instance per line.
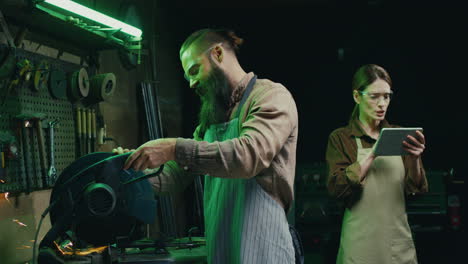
x=52 y=172
x=23 y=136
x=101 y=130
x=89 y=129
x=38 y=118
x=7 y=141
x=83 y=128
x=22 y=73
x=79 y=133
x=35 y=165
x=12 y=150
x=94 y=130
x=34 y=120
x=24 y=177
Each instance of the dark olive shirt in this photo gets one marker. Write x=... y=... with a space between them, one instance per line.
x=344 y=170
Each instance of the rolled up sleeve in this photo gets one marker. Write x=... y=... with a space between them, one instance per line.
x=270 y=120
x=173 y=178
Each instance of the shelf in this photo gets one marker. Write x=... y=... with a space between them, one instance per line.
x=53 y=31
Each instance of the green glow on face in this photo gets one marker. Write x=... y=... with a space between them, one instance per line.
x=95 y=16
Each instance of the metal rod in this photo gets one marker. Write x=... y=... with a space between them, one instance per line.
x=154 y=132
x=156 y=96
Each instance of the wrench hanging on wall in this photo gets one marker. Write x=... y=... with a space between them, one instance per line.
x=52 y=173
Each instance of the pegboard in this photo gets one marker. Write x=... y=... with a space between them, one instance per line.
x=24 y=99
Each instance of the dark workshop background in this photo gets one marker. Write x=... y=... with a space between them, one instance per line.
x=312 y=48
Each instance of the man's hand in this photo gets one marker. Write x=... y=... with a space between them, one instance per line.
x=415 y=145
x=152 y=154
x=121 y=150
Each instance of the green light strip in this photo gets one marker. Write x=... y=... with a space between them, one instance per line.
x=95 y=16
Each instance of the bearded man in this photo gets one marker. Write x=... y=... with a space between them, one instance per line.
x=245 y=145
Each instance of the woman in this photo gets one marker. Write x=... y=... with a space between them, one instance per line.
x=375 y=227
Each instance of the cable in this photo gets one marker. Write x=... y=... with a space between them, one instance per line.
x=34 y=260
x=72 y=178
x=145 y=176
x=43 y=215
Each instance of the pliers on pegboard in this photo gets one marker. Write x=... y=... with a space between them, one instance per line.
x=23 y=72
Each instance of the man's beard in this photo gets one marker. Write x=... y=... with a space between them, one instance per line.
x=215 y=99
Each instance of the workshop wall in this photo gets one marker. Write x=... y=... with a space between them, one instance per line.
x=20 y=212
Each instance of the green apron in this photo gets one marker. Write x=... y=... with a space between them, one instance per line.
x=243 y=223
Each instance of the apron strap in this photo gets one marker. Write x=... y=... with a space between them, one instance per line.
x=246 y=94
x=358 y=142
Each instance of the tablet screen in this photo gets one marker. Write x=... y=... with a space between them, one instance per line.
x=390 y=142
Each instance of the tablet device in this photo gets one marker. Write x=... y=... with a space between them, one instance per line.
x=390 y=142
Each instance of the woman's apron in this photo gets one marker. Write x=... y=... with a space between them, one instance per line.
x=375 y=230
x=243 y=223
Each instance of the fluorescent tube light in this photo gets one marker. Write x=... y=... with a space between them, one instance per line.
x=95 y=16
